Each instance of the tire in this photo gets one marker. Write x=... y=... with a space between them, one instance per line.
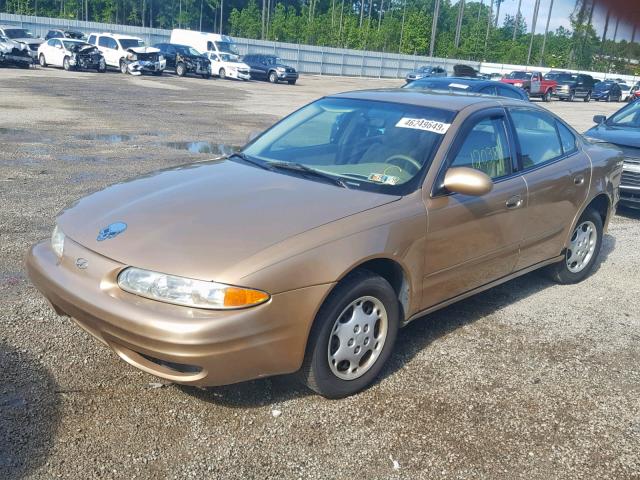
x=123 y=67
x=206 y=76
x=374 y=294
x=291 y=82
x=572 y=95
x=157 y=73
x=42 y=60
x=608 y=99
x=102 y=67
x=65 y=64
x=181 y=70
x=561 y=272
x=546 y=96
x=222 y=73
x=273 y=77
x=587 y=99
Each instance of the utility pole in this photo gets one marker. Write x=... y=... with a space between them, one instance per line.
x=489 y=22
x=517 y=21
x=434 y=27
x=404 y=12
x=546 y=31
x=221 y=14
x=533 y=29
x=459 y=23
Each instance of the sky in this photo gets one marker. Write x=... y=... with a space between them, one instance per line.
x=562 y=9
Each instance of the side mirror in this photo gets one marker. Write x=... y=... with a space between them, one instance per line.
x=599 y=119
x=467 y=181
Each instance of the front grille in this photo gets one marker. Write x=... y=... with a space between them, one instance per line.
x=290 y=70
x=149 y=57
x=34 y=46
x=630 y=179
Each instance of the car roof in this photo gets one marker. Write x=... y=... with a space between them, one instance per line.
x=451 y=101
x=118 y=36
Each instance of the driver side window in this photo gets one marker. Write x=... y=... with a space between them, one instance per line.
x=486 y=148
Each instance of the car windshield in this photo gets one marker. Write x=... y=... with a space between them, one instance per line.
x=519 y=75
x=128 y=43
x=425 y=69
x=628 y=116
x=459 y=86
x=184 y=50
x=624 y=87
x=369 y=145
x=604 y=85
x=76 y=35
x=228 y=47
x=566 y=77
x=18 y=33
x=225 y=57
x=272 y=60
x=73 y=46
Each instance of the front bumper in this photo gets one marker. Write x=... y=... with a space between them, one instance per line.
x=181 y=344
x=562 y=93
x=85 y=62
x=141 y=66
x=287 y=76
x=17 y=60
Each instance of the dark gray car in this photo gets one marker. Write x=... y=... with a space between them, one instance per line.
x=424 y=72
x=572 y=86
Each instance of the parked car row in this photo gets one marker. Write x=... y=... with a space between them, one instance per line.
x=187 y=52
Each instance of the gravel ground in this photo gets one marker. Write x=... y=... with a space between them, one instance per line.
x=528 y=380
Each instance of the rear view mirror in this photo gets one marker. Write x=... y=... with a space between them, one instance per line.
x=467 y=181
x=599 y=119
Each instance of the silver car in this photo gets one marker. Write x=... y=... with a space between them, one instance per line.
x=424 y=72
x=24 y=36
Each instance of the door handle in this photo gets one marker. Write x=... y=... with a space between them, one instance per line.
x=578 y=179
x=514 y=202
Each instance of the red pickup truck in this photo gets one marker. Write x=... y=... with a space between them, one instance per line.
x=533 y=83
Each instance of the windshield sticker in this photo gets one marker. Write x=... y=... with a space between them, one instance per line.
x=424 y=124
x=382 y=178
x=458 y=85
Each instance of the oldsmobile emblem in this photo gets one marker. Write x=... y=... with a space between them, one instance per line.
x=82 y=263
x=111 y=231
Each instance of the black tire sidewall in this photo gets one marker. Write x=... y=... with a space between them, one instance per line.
x=323 y=379
x=562 y=273
x=42 y=60
x=273 y=77
x=65 y=64
x=181 y=70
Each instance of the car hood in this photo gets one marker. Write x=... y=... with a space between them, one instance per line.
x=625 y=136
x=29 y=41
x=567 y=82
x=514 y=80
x=199 y=220
x=144 y=50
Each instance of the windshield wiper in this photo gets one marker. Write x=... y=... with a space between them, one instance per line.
x=247 y=159
x=299 y=167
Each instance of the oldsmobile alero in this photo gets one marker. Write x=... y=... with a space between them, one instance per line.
x=309 y=248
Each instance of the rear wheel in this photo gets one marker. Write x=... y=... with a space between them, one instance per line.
x=582 y=251
x=352 y=336
x=273 y=77
x=42 y=60
x=181 y=70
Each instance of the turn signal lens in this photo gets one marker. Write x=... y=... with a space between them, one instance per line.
x=57 y=241
x=187 y=291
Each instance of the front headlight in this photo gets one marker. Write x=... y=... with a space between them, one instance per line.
x=160 y=58
x=518 y=84
x=57 y=241
x=280 y=69
x=132 y=57
x=188 y=292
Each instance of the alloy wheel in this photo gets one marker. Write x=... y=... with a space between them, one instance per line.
x=357 y=338
x=582 y=246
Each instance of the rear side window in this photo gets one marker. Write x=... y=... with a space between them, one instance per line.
x=490 y=90
x=92 y=39
x=538 y=137
x=507 y=92
x=486 y=148
x=104 y=42
x=567 y=138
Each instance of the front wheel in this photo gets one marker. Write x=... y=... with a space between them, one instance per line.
x=352 y=336
x=181 y=70
x=42 y=60
x=547 y=96
x=291 y=82
x=588 y=97
x=222 y=74
x=102 y=66
x=572 y=95
x=65 y=64
x=206 y=76
x=123 y=67
x=273 y=77
x=582 y=251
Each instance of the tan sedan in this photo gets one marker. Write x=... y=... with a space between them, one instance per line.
x=306 y=251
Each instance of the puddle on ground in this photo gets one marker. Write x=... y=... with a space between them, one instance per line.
x=203 y=147
x=10 y=131
x=105 y=137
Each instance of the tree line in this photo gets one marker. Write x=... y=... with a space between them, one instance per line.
x=464 y=29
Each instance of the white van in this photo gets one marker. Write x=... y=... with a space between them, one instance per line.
x=204 y=42
x=220 y=49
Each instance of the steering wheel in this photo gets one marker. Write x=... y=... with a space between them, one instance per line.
x=398 y=157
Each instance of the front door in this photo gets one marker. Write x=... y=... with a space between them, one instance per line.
x=536 y=85
x=558 y=175
x=472 y=241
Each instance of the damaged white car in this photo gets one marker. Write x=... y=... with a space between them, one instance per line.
x=14 y=53
x=226 y=65
x=128 y=54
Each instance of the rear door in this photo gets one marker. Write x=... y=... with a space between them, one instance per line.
x=472 y=241
x=558 y=176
